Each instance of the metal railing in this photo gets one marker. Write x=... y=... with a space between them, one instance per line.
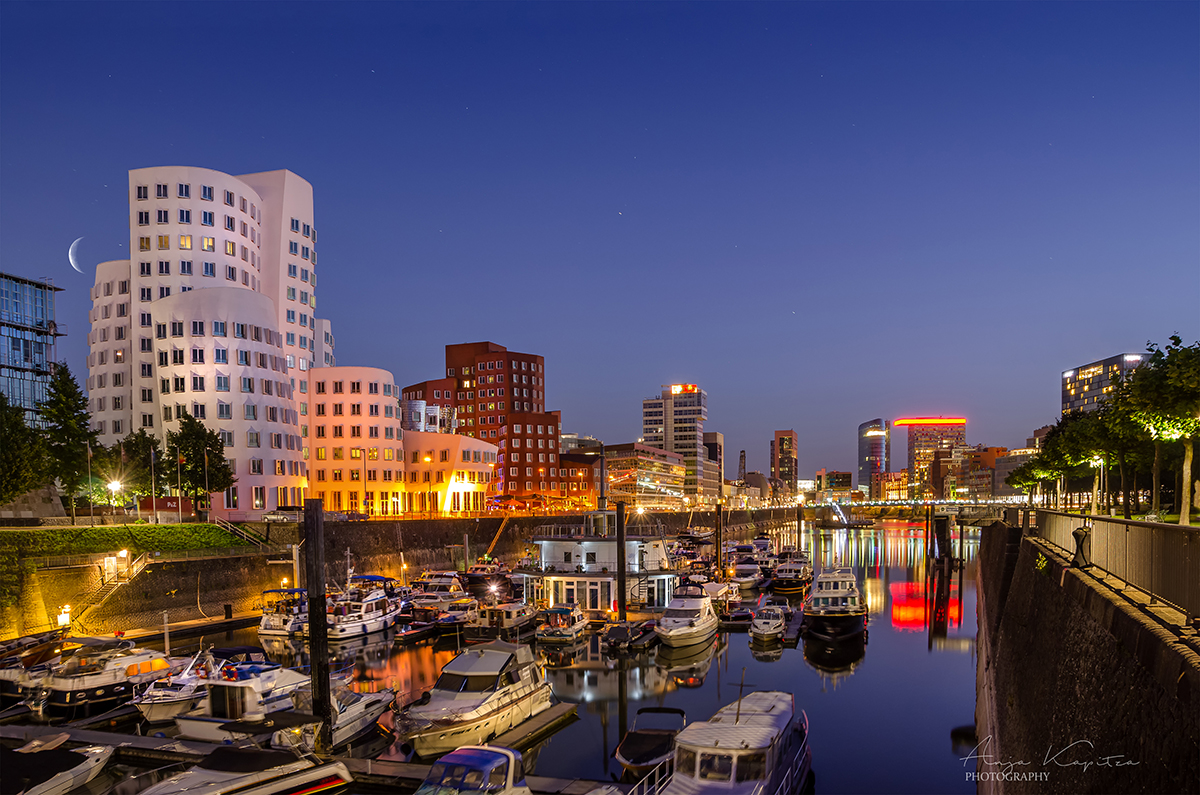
x=234 y=530
x=655 y=779
x=1161 y=560
x=77 y=561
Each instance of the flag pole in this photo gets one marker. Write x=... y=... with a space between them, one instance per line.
x=153 y=501
x=207 y=493
x=91 y=497
x=178 y=486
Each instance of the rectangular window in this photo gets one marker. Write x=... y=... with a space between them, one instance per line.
x=229 y=198
x=197 y=356
x=197 y=328
x=210 y=269
x=252 y=438
x=185 y=242
x=183 y=191
x=185 y=266
x=164 y=292
x=185 y=216
x=220 y=356
x=143 y=192
x=206 y=218
x=206 y=192
x=247 y=385
x=231 y=273
x=164 y=242
x=224 y=411
x=208 y=244
x=222 y=383
x=143 y=218
x=143 y=244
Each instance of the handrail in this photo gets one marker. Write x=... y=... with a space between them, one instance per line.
x=1160 y=560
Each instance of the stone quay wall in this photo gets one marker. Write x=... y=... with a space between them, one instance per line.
x=193 y=589
x=1078 y=689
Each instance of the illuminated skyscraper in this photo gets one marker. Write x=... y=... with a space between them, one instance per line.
x=1084 y=387
x=927 y=435
x=874 y=453
x=783 y=458
x=675 y=422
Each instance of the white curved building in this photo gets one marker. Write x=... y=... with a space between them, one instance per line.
x=214 y=314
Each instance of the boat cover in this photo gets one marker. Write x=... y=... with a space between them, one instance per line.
x=228 y=759
x=20 y=772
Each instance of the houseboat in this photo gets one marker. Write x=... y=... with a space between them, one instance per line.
x=792 y=577
x=562 y=624
x=504 y=621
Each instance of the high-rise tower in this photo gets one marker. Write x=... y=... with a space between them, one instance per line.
x=675 y=422
x=783 y=458
x=927 y=435
x=874 y=453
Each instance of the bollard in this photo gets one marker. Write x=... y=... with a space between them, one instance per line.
x=1083 y=547
x=228 y=612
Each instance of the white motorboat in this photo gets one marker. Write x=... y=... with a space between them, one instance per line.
x=99 y=675
x=354 y=714
x=563 y=624
x=689 y=618
x=643 y=747
x=493 y=769
x=768 y=624
x=165 y=698
x=459 y=614
x=253 y=771
x=40 y=767
x=367 y=605
x=504 y=621
x=240 y=691
x=285 y=612
x=746 y=574
x=437 y=593
x=761 y=543
x=834 y=607
x=484 y=691
x=755 y=746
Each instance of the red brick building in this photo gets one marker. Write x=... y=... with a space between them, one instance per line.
x=493 y=391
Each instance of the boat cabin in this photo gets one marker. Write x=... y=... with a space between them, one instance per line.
x=491 y=769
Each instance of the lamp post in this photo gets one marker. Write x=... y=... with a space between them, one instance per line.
x=113 y=487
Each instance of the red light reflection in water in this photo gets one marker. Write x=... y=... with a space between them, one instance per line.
x=910 y=606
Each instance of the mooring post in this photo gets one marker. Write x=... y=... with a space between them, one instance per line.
x=720 y=514
x=621 y=561
x=318 y=635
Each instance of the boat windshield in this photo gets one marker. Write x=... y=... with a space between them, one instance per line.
x=458 y=683
x=447 y=779
x=715 y=767
x=679 y=613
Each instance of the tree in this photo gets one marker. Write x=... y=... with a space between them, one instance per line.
x=22 y=453
x=200 y=453
x=1165 y=398
x=134 y=466
x=68 y=431
x=1122 y=434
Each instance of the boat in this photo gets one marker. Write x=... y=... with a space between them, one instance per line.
x=687 y=667
x=492 y=768
x=834 y=607
x=41 y=767
x=285 y=612
x=487 y=580
x=165 y=698
x=354 y=714
x=562 y=624
x=792 y=577
x=102 y=673
x=737 y=618
x=35 y=652
x=782 y=603
x=484 y=691
x=756 y=746
x=622 y=637
x=247 y=690
x=368 y=605
x=437 y=592
x=746 y=574
x=459 y=614
x=768 y=625
x=644 y=748
x=254 y=771
x=761 y=542
x=689 y=618
x=508 y=620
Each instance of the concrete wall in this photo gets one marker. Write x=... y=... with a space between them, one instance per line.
x=374 y=547
x=1075 y=684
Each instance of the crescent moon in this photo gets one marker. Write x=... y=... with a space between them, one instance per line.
x=71 y=255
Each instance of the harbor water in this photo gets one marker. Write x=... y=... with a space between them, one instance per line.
x=883 y=710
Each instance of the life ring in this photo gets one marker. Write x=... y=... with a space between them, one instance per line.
x=229 y=672
x=202 y=670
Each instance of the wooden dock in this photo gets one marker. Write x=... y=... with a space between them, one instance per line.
x=791 y=634
x=536 y=728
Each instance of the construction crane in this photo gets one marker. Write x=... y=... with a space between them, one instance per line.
x=495 y=539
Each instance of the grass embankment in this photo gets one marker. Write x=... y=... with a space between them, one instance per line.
x=18 y=546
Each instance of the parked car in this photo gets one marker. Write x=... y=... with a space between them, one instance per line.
x=284 y=515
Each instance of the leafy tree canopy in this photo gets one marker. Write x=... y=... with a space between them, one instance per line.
x=22 y=453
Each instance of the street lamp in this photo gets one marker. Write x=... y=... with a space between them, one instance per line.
x=113 y=487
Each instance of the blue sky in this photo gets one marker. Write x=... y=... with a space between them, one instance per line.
x=822 y=213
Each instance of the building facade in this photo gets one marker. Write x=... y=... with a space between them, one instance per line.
x=927 y=435
x=356 y=461
x=674 y=422
x=579 y=479
x=874 y=453
x=448 y=473
x=1084 y=387
x=645 y=477
x=214 y=315
x=783 y=459
x=28 y=335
